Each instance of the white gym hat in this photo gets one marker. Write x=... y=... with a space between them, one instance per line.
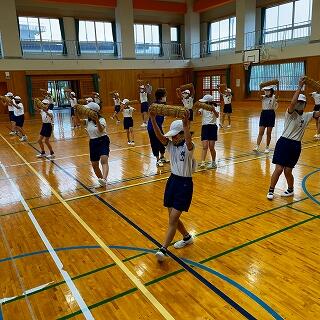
x=9 y=94
x=268 y=88
x=186 y=91
x=175 y=127
x=45 y=101
x=142 y=86
x=72 y=93
x=228 y=90
x=93 y=106
x=89 y=100
x=125 y=101
x=17 y=98
x=207 y=98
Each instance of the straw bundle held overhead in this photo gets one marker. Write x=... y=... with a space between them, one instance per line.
x=315 y=85
x=168 y=110
x=82 y=101
x=113 y=92
x=202 y=105
x=273 y=82
x=222 y=86
x=188 y=86
x=5 y=100
x=129 y=103
x=38 y=103
x=83 y=111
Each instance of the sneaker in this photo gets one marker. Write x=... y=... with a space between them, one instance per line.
x=229 y=126
x=182 y=243
x=12 y=133
x=202 y=164
x=164 y=160
x=143 y=125
x=316 y=136
x=212 y=165
x=41 y=155
x=23 y=138
x=132 y=143
x=118 y=121
x=159 y=163
x=270 y=195
x=129 y=143
x=160 y=256
x=287 y=193
x=267 y=150
x=112 y=118
x=220 y=125
x=102 y=182
x=51 y=156
x=256 y=149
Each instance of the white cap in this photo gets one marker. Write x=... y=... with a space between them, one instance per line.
x=89 y=99
x=49 y=92
x=97 y=94
x=93 y=106
x=302 y=97
x=142 y=86
x=17 y=98
x=268 y=88
x=228 y=90
x=72 y=93
x=9 y=94
x=186 y=91
x=207 y=98
x=175 y=127
x=125 y=101
x=45 y=101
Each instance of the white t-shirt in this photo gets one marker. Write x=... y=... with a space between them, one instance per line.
x=181 y=159
x=19 y=112
x=269 y=103
x=93 y=130
x=316 y=97
x=49 y=98
x=188 y=102
x=295 y=125
x=45 y=117
x=11 y=107
x=143 y=97
x=97 y=100
x=73 y=102
x=208 y=117
x=227 y=99
x=116 y=101
x=127 y=112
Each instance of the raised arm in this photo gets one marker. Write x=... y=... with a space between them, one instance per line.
x=186 y=130
x=296 y=95
x=99 y=125
x=216 y=113
x=164 y=140
x=178 y=91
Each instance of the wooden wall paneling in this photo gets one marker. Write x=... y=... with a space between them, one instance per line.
x=3 y=91
x=86 y=87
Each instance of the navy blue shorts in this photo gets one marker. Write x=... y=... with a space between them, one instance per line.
x=227 y=108
x=267 y=118
x=209 y=132
x=178 y=193
x=127 y=123
x=11 y=116
x=287 y=152
x=117 y=109
x=316 y=107
x=72 y=111
x=19 y=120
x=190 y=114
x=99 y=147
x=46 y=130
x=144 y=106
x=156 y=146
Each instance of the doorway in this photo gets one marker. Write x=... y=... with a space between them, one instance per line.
x=57 y=90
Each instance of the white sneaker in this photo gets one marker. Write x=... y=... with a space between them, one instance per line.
x=160 y=256
x=51 y=156
x=212 y=165
x=159 y=163
x=287 y=194
x=181 y=243
x=129 y=143
x=23 y=138
x=202 y=164
x=102 y=182
x=143 y=125
x=316 y=136
x=112 y=118
x=256 y=149
x=41 y=155
x=229 y=126
x=132 y=143
x=270 y=195
x=12 y=133
x=267 y=150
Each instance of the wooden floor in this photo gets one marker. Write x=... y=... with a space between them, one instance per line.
x=70 y=251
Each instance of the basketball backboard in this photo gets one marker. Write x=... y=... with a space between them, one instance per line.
x=252 y=56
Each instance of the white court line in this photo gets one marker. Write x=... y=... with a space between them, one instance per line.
x=76 y=294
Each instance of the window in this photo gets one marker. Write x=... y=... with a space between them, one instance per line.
x=288 y=21
x=147 y=39
x=96 y=37
x=209 y=86
x=222 y=34
x=174 y=34
x=288 y=75
x=40 y=35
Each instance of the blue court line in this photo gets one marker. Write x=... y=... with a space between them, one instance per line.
x=185 y=266
x=223 y=277
x=304 y=187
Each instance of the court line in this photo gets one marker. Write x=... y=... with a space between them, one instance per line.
x=65 y=275
x=301 y=211
x=304 y=187
x=113 y=256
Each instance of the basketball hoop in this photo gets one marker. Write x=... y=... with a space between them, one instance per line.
x=246 y=65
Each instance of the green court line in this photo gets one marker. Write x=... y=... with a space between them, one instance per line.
x=307 y=213
x=154 y=281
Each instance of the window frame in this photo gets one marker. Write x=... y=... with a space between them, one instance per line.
x=147 y=48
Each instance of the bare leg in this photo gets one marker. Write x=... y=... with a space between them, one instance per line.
x=223 y=117
x=212 y=150
x=289 y=177
x=275 y=176
x=269 y=131
x=47 y=142
x=261 y=133
x=318 y=125
x=96 y=169
x=174 y=216
x=41 y=143
x=13 y=124
x=229 y=119
x=205 y=145
x=131 y=132
x=105 y=166
x=19 y=129
x=128 y=135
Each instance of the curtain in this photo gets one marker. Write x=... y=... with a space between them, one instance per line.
x=95 y=78
x=29 y=92
x=76 y=21
x=208 y=37
x=228 y=77
x=63 y=36
x=263 y=20
x=247 y=76
x=160 y=40
x=114 y=35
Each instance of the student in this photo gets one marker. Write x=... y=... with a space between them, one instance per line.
x=288 y=147
x=117 y=107
x=73 y=101
x=48 y=97
x=19 y=117
x=316 y=97
x=209 y=132
x=99 y=144
x=267 y=116
x=11 y=112
x=227 y=107
x=157 y=147
x=179 y=188
x=187 y=97
x=127 y=112
x=46 y=130
x=144 y=105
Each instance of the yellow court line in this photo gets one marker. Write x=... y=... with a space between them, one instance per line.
x=118 y=261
